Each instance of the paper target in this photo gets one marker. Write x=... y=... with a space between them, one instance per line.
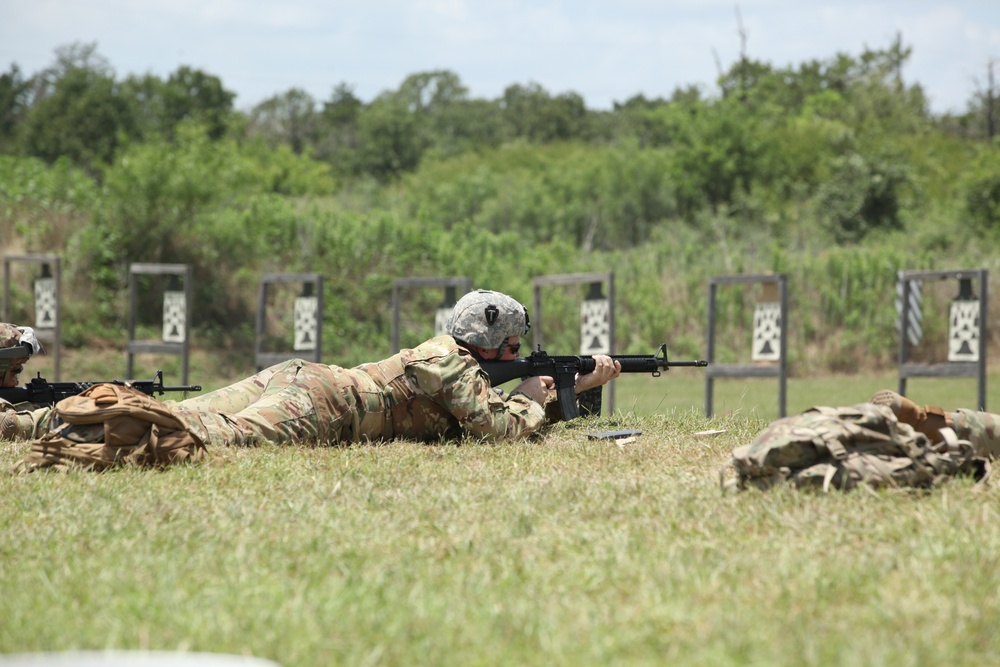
x=595 y=327
x=174 y=317
x=45 y=303
x=306 y=331
x=963 y=331
x=766 y=332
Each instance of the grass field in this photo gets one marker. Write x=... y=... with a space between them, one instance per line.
x=562 y=551
x=684 y=389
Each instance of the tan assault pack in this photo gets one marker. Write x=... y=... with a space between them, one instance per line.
x=109 y=425
x=842 y=448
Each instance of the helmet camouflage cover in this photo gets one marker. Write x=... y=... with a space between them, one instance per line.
x=486 y=318
x=10 y=336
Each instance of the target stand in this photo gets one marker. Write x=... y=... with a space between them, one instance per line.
x=443 y=311
x=597 y=315
x=770 y=337
x=967 y=319
x=176 y=338
x=307 y=319
x=48 y=303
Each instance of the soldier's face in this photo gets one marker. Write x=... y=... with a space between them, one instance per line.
x=10 y=377
x=510 y=350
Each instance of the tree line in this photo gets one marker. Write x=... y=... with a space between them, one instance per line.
x=78 y=107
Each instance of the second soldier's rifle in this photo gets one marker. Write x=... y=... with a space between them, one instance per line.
x=564 y=369
x=42 y=392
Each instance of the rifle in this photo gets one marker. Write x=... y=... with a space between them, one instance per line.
x=42 y=392
x=564 y=370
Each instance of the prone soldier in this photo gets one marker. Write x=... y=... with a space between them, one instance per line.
x=433 y=391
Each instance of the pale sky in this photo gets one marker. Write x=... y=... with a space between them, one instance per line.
x=606 y=51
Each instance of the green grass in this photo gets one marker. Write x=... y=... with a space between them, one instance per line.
x=684 y=389
x=558 y=551
x=564 y=551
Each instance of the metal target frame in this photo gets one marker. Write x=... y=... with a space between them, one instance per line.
x=53 y=335
x=450 y=285
x=569 y=280
x=263 y=359
x=135 y=346
x=951 y=369
x=779 y=370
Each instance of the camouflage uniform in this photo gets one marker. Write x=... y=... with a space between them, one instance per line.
x=19 y=420
x=433 y=391
x=982 y=429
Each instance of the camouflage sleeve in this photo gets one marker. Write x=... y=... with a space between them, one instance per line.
x=463 y=389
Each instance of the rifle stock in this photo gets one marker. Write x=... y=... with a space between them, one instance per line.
x=564 y=369
x=44 y=393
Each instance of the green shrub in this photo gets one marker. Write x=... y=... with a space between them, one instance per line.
x=982 y=190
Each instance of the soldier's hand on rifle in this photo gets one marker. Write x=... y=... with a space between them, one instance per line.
x=606 y=369
x=536 y=388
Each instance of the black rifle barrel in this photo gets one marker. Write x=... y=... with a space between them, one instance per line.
x=43 y=392
x=540 y=363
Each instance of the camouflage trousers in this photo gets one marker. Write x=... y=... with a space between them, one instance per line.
x=292 y=402
x=982 y=429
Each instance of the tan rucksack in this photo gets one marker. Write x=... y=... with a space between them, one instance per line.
x=109 y=425
x=844 y=447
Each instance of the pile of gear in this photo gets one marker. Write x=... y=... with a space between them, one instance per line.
x=866 y=444
x=109 y=425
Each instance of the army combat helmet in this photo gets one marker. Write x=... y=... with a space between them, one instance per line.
x=486 y=318
x=17 y=344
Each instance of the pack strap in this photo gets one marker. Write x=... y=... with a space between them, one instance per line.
x=834 y=446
